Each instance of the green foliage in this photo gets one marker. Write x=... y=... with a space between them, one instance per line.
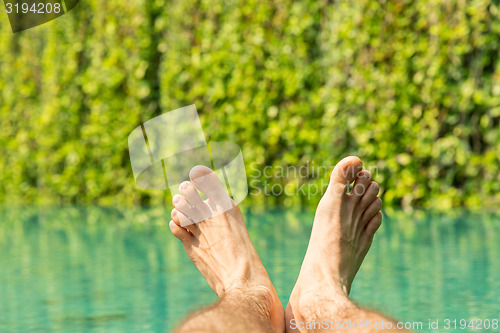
x=413 y=88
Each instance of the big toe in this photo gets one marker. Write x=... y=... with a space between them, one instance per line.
x=344 y=173
x=206 y=180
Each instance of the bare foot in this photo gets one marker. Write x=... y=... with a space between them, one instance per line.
x=220 y=246
x=343 y=230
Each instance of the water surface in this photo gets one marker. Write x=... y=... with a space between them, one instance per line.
x=108 y=270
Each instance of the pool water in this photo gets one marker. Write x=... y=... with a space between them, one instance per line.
x=108 y=270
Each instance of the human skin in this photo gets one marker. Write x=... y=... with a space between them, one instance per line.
x=221 y=249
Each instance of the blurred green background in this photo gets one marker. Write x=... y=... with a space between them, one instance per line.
x=412 y=87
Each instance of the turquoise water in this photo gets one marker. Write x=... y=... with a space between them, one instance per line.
x=106 y=270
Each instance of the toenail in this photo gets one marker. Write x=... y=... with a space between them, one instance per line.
x=176 y=199
x=365 y=174
x=174 y=213
x=199 y=173
x=199 y=179
x=184 y=185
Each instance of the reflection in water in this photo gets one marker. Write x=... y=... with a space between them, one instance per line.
x=105 y=270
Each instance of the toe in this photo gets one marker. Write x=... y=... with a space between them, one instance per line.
x=182 y=234
x=368 y=197
x=177 y=230
x=183 y=222
x=373 y=225
x=181 y=204
x=372 y=209
x=175 y=217
x=207 y=182
x=191 y=194
x=360 y=185
x=344 y=174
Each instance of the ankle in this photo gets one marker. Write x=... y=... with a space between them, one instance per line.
x=250 y=295
x=259 y=300
x=314 y=305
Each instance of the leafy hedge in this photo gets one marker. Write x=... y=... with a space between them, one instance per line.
x=412 y=87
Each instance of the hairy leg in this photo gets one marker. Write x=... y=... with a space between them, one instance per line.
x=343 y=230
x=221 y=249
x=239 y=311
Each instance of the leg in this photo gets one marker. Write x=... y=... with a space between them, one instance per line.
x=342 y=233
x=237 y=312
x=221 y=249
